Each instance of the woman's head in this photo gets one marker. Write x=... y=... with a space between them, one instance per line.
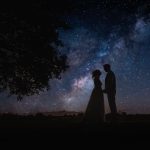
x=96 y=73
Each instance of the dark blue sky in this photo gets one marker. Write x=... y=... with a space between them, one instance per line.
x=110 y=31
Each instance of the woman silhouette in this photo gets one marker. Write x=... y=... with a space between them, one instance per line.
x=95 y=108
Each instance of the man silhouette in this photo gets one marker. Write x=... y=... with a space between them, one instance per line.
x=110 y=89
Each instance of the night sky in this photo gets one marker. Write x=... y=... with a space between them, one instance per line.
x=107 y=31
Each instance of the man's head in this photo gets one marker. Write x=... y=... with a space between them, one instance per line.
x=107 y=67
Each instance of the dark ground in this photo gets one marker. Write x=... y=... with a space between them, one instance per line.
x=64 y=130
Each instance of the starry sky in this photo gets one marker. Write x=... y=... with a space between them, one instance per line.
x=106 y=31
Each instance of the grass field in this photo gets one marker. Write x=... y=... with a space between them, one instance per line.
x=128 y=128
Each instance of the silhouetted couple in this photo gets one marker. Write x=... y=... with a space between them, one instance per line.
x=95 y=112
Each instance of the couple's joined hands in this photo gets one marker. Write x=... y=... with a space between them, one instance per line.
x=104 y=91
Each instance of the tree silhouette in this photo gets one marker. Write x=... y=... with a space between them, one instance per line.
x=28 y=53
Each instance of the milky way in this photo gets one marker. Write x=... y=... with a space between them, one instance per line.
x=97 y=37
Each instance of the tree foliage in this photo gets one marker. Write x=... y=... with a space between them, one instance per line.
x=28 y=57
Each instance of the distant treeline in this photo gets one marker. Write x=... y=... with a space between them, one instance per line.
x=76 y=116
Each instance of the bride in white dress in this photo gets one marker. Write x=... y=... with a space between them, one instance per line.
x=95 y=108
